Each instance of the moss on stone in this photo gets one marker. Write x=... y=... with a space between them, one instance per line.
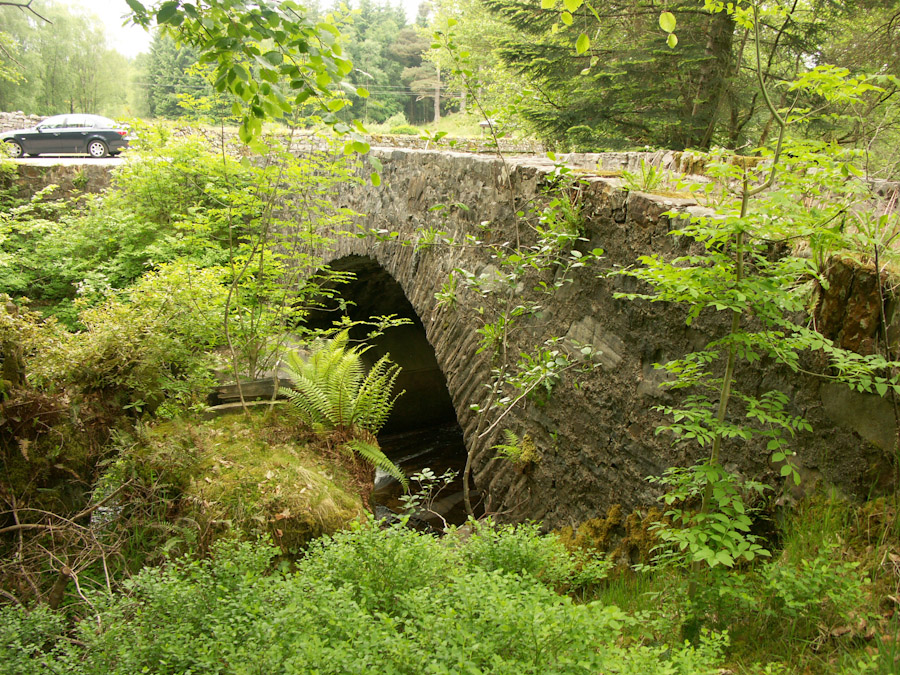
x=626 y=540
x=254 y=474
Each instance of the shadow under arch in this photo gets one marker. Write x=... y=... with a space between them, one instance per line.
x=422 y=430
x=374 y=292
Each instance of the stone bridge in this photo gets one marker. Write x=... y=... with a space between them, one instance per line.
x=594 y=434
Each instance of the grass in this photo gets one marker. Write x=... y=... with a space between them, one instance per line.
x=458 y=125
x=828 y=601
x=254 y=474
x=455 y=125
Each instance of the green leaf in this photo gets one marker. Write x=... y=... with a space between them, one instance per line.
x=672 y=40
x=881 y=388
x=167 y=12
x=566 y=18
x=573 y=5
x=375 y=178
x=136 y=7
x=239 y=70
x=362 y=93
x=667 y=21
x=244 y=133
x=582 y=44
x=548 y=4
x=274 y=57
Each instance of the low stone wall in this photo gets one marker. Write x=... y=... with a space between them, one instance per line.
x=482 y=145
x=70 y=178
x=18 y=120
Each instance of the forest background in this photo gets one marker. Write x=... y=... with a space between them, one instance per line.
x=621 y=88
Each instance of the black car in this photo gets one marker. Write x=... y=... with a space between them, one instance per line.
x=83 y=134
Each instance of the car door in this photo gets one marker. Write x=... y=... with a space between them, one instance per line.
x=72 y=136
x=48 y=137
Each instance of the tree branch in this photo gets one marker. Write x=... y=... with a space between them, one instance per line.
x=25 y=6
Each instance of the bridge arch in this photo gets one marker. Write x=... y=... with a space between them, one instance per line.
x=372 y=291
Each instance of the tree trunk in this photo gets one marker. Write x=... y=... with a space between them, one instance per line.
x=437 y=97
x=711 y=81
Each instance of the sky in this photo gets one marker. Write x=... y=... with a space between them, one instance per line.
x=132 y=40
x=127 y=40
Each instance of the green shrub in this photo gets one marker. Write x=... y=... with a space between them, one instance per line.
x=404 y=130
x=379 y=567
x=168 y=184
x=519 y=549
x=232 y=613
x=144 y=346
x=821 y=591
x=24 y=636
x=396 y=120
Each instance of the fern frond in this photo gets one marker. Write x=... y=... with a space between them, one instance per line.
x=512 y=448
x=373 y=454
x=517 y=449
x=374 y=402
x=332 y=389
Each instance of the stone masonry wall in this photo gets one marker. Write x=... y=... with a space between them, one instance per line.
x=596 y=442
x=18 y=120
x=90 y=176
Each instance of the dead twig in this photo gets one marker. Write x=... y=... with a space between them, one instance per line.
x=78 y=516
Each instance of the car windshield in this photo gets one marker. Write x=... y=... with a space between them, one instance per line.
x=54 y=122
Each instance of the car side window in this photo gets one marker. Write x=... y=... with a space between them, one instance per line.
x=54 y=122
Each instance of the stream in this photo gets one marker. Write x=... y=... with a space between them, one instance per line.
x=439 y=448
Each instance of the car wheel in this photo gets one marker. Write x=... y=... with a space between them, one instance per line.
x=97 y=149
x=15 y=148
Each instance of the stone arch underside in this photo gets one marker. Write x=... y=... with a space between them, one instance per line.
x=596 y=441
x=371 y=292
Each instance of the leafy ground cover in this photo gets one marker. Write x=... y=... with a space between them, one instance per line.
x=386 y=600
x=485 y=599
